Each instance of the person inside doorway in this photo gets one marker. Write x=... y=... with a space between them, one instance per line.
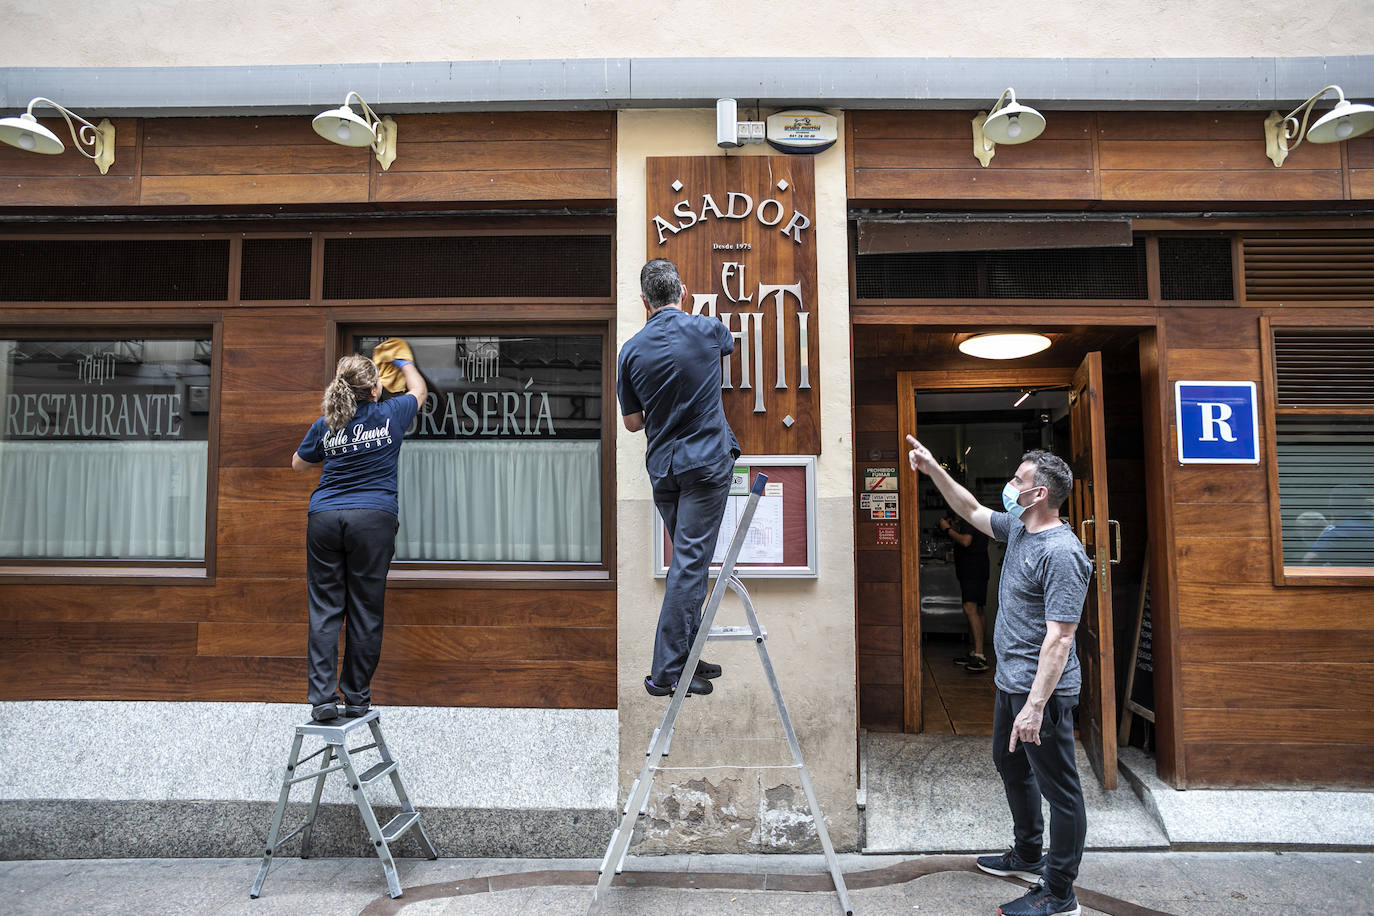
x=972 y=570
x=669 y=378
x=350 y=536
x=1044 y=581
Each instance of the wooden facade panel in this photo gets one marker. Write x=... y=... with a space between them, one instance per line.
x=955 y=125
x=423 y=643
x=255 y=561
x=1286 y=726
x=1215 y=483
x=84 y=191
x=467 y=127
x=1276 y=184
x=1263 y=607
x=1277 y=685
x=106 y=603
x=1266 y=763
x=208 y=678
x=873 y=638
x=317 y=158
x=254 y=522
x=1359 y=152
x=495 y=607
x=973 y=184
x=1210 y=364
x=222 y=132
x=878 y=566
x=1361 y=184
x=278 y=425
x=1211 y=329
x=496 y=155
x=880 y=604
x=875 y=418
x=279 y=484
x=882 y=706
x=1208 y=155
x=262 y=599
x=958 y=154
x=494 y=184
x=273 y=369
x=1182 y=126
x=1222 y=520
x=225 y=190
x=1222 y=560
x=880 y=669
x=1250 y=644
x=293 y=328
x=117 y=638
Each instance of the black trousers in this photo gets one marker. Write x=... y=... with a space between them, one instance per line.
x=348 y=553
x=691 y=503
x=1046 y=769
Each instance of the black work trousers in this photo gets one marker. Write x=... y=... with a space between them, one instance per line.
x=1046 y=769
x=348 y=553
x=691 y=503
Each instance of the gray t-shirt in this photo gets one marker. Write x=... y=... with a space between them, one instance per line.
x=1045 y=576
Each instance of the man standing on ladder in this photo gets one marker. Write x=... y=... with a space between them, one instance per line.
x=1045 y=577
x=669 y=380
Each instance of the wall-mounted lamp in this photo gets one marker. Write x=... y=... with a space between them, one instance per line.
x=1004 y=345
x=342 y=126
x=1344 y=121
x=1008 y=122
x=26 y=133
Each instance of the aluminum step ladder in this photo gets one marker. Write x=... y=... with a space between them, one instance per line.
x=335 y=736
x=660 y=745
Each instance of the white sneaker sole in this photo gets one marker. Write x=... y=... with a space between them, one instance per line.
x=1023 y=875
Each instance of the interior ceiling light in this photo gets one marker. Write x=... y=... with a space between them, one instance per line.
x=1344 y=121
x=1008 y=122
x=94 y=141
x=347 y=128
x=1004 y=345
x=1025 y=395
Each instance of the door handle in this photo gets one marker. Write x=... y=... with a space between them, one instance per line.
x=1114 y=525
x=1083 y=531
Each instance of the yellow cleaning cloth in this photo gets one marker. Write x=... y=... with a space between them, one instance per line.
x=384 y=355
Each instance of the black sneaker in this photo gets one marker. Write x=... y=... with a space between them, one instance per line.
x=977 y=664
x=1010 y=865
x=699 y=686
x=707 y=670
x=1040 y=902
x=962 y=660
x=325 y=712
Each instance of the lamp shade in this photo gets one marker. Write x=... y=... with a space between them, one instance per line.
x=27 y=134
x=342 y=126
x=1014 y=123
x=1344 y=121
x=1003 y=345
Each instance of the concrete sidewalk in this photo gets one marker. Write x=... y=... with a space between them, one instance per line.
x=1116 y=883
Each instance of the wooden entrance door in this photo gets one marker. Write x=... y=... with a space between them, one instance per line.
x=1088 y=514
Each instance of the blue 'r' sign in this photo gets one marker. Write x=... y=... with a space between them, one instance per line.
x=1218 y=422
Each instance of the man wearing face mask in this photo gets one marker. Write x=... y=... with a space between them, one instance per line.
x=1044 y=581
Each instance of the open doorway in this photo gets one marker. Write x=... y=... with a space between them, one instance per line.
x=977 y=435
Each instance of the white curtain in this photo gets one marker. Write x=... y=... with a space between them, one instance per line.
x=500 y=501
x=103 y=500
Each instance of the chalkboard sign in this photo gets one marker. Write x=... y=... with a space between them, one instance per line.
x=1140 y=679
x=1143 y=688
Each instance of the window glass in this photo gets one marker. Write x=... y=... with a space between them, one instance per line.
x=105 y=448
x=503 y=462
x=1326 y=490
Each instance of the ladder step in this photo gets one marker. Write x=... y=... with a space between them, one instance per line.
x=734 y=633
x=377 y=771
x=400 y=824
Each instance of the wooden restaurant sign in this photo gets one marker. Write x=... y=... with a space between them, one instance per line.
x=739 y=229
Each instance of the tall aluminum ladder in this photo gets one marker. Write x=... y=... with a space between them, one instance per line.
x=661 y=744
x=335 y=736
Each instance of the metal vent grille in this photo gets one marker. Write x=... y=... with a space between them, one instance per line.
x=1195 y=268
x=1309 y=268
x=444 y=267
x=1328 y=368
x=1057 y=273
x=114 y=270
x=275 y=269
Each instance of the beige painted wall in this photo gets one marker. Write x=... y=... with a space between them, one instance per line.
x=185 y=33
x=810 y=622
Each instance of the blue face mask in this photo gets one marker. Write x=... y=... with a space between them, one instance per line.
x=1009 y=496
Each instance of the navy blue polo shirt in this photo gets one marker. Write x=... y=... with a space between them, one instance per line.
x=360 y=459
x=670 y=371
